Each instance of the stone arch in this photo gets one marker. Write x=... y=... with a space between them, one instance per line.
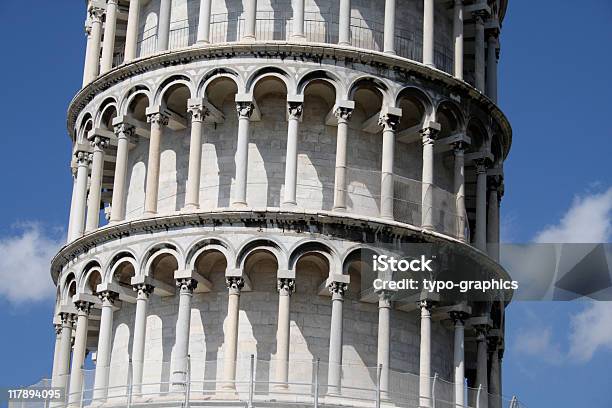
x=91 y=277
x=170 y=82
x=130 y=101
x=69 y=288
x=267 y=72
x=370 y=82
x=86 y=124
x=478 y=134
x=357 y=264
x=321 y=75
x=268 y=244
x=417 y=106
x=214 y=74
x=104 y=114
x=306 y=247
x=206 y=244
x=122 y=268
x=450 y=117
x=161 y=261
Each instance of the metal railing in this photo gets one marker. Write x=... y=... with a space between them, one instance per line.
x=256 y=385
x=278 y=26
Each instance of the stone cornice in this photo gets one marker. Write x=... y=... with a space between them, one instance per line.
x=298 y=221
x=267 y=49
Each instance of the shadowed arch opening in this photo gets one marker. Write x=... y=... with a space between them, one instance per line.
x=416 y=108
x=92 y=277
x=162 y=261
x=450 y=118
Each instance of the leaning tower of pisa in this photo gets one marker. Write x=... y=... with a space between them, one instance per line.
x=235 y=164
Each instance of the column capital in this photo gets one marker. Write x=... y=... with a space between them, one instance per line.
x=480 y=16
x=98 y=142
x=384 y=298
x=459 y=317
x=95 y=13
x=285 y=286
x=389 y=121
x=83 y=158
x=429 y=134
x=158 y=118
x=57 y=327
x=144 y=290
x=66 y=319
x=83 y=306
x=337 y=289
x=87 y=28
x=295 y=110
x=234 y=284
x=124 y=129
x=459 y=147
x=198 y=111
x=108 y=297
x=245 y=109
x=186 y=285
x=481 y=166
x=426 y=304
x=343 y=113
x=459 y=2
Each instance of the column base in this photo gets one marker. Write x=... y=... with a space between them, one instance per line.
x=390 y=52
x=239 y=204
x=298 y=37
x=190 y=207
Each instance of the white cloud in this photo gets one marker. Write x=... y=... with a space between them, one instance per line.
x=25 y=262
x=588 y=220
x=538 y=342
x=590 y=331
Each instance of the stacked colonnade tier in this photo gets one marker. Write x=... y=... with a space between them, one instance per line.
x=232 y=163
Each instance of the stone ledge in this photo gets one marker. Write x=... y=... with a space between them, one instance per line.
x=266 y=49
x=298 y=220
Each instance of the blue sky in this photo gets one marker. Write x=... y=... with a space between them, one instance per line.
x=555 y=86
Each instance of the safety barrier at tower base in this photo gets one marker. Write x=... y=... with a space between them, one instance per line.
x=278 y=26
x=202 y=384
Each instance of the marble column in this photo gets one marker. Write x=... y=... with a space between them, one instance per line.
x=427 y=179
x=230 y=343
x=298 y=21
x=458 y=36
x=83 y=159
x=481 y=367
x=459 y=357
x=99 y=144
x=124 y=133
x=79 y=353
x=245 y=110
x=93 y=53
x=428 y=33
x=389 y=27
x=334 y=373
x=181 y=343
x=481 y=206
x=250 y=20
x=389 y=123
x=344 y=23
x=459 y=184
x=133 y=24
x=158 y=121
x=104 y=345
x=295 y=110
x=204 y=22
x=343 y=115
x=163 y=26
x=285 y=288
x=73 y=172
x=140 y=329
x=110 y=27
x=192 y=193
x=425 y=355
x=495 y=382
x=63 y=362
x=56 y=351
x=479 y=52
x=494 y=184
x=384 y=340
x=492 y=48
x=88 y=53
